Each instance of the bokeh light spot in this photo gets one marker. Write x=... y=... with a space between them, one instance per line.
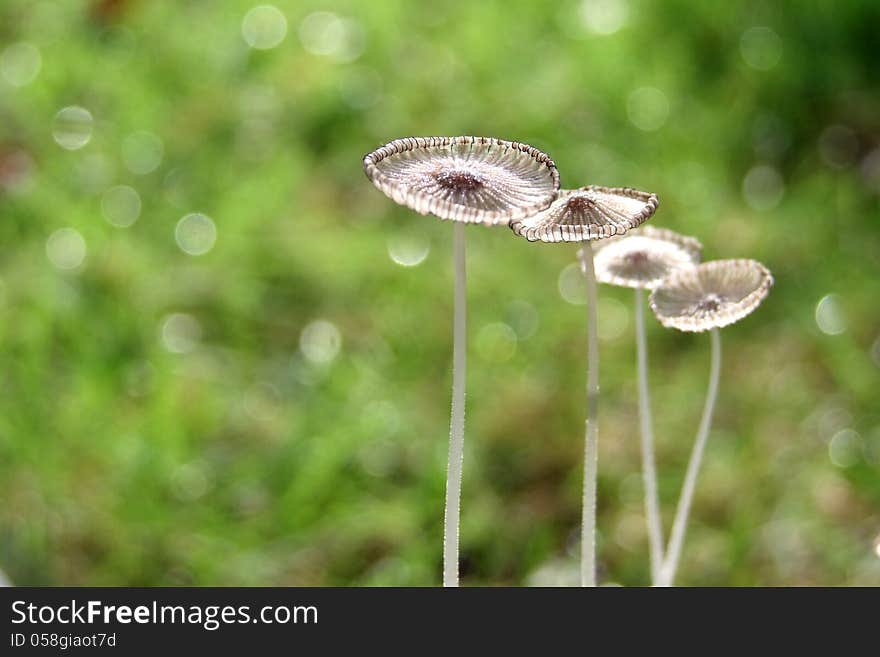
x=522 y=318
x=326 y=34
x=408 y=250
x=761 y=48
x=121 y=206
x=20 y=63
x=180 y=333
x=647 y=108
x=142 y=152
x=73 y=127
x=838 y=146
x=320 y=342
x=572 y=286
x=763 y=187
x=175 y=187
x=496 y=342
x=845 y=448
x=604 y=16
x=264 y=27
x=195 y=234
x=829 y=315
x=66 y=248
x=189 y=482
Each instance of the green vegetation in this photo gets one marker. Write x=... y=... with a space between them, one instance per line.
x=168 y=418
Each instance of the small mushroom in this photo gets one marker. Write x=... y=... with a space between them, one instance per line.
x=641 y=259
x=711 y=295
x=467 y=180
x=588 y=214
x=585 y=215
x=706 y=297
x=479 y=180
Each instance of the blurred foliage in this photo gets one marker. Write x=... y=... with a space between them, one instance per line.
x=168 y=418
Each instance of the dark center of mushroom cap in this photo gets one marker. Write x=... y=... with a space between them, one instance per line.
x=458 y=180
x=636 y=258
x=709 y=304
x=579 y=204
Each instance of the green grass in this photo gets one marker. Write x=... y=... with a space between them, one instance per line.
x=242 y=462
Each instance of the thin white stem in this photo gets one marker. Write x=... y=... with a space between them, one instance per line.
x=456 y=423
x=591 y=442
x=649 y=469
x=673 y=553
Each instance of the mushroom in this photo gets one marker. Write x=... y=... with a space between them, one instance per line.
x=644 y=257
x=584 y=215
x=467 y=180
x=641 y=260
x=705 y=298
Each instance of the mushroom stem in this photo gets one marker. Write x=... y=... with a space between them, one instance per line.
x=676 y=541
x=456 y=423
x=591 y=442
x=649 y=469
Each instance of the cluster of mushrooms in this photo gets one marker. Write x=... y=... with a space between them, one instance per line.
x=488 y=181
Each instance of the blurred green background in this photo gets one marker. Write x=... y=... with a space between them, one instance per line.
x=225 y=357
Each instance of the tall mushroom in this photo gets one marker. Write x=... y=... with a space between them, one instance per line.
x=705 y=298
x=469 y=180
x=584 y=215
x=641 y=260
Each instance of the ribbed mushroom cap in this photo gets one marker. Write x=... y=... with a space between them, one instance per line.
x=644 y=257
x=589 y=213
x=711 y=295
x=469 y=179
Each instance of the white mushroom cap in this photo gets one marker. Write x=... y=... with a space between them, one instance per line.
x=468 y=179
x=589 y=213
x=711 y=295
x=644 y=257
